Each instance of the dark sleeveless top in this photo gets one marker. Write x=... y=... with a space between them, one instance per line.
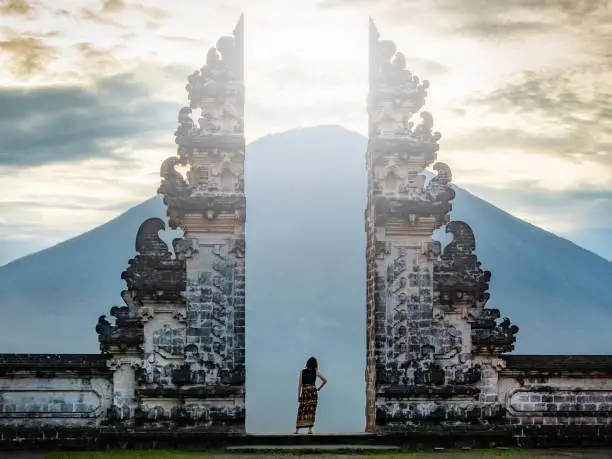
x=309 y=377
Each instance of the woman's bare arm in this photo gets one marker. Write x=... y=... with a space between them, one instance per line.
x=300 y=386
x=322 y=379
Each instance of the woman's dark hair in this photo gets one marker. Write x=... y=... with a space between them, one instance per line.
x=312 y=363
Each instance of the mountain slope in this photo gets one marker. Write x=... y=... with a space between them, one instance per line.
x=306 y=192
x=50 y=298
x=594 y=239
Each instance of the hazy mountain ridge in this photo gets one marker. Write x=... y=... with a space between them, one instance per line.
x=593 y=239
x=306 y=194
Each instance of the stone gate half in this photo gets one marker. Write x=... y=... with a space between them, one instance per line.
x=432 y=344
x=178 y=346
x=437 y=359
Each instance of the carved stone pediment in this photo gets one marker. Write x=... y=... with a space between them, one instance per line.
x=173 y=183
x=222 y=74
x=458 y=275
x=496 y=340
x=389 y=77
x=153 y=273
x=127 y=333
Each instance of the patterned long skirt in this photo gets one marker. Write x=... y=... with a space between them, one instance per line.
x=308 y=407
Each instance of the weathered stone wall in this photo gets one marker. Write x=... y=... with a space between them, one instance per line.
x=50 y=395
x=557 y=390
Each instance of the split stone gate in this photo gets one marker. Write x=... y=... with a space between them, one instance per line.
x=178 y=346
x=174 y=359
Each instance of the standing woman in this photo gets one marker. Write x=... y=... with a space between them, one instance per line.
x=308 y=395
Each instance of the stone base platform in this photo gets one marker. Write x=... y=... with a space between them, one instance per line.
x=422 y=438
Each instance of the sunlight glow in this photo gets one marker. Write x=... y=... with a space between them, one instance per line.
x=305 y=65
x=499 y=170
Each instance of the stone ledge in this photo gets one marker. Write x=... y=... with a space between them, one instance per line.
x=81 y=364
x=409 y=146
x=410 y=438
x=215 y=202
x=558 y=364
x=229 y=143
x=462 y=391
x=191 y=392
x=401 y=208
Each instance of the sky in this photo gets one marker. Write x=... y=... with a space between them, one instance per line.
x=90 y=90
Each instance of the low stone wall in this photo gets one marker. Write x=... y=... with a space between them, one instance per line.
x=558 y=399
x=64 y=401
x=52 y=398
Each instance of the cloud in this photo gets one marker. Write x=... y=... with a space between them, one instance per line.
x=108 y=16
x=151 y=12
x=486 y=18
x=28 y=53
x=553 y=210
x=99 y=18
x=63 y=123
x=566 y=95
x=516 y=17
x=426 y=66
x=565 y=99
x=16 y=7
x=113 y=6
x=503 y=29
x=96 y=61
x=491 y=138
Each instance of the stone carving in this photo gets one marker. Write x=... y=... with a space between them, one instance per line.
x=430 y=338
x=439 y=186
x=132 y=303
x=173 y=183
x=400 y=194
x=459 y=276
x=156 y=371
x=170 y=340
x=238 y=248
x=104 y=329
x=225 y=174
x=389 y=76
x=145 y=314
x=414 y=204
x=186 y=123
x=391 y=128
x=223 y=66
x=153 y=273
x=209 y=205
x=127 y=333
x=496 y=339
x=216 y=95
x=184 y=248
x=192 y=303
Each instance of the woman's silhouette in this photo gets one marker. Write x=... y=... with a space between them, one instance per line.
x=308 y=395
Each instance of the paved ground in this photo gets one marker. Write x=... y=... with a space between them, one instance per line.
x=589 y=454
x=21 y=455
x=314 y=447
x=570 y=454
